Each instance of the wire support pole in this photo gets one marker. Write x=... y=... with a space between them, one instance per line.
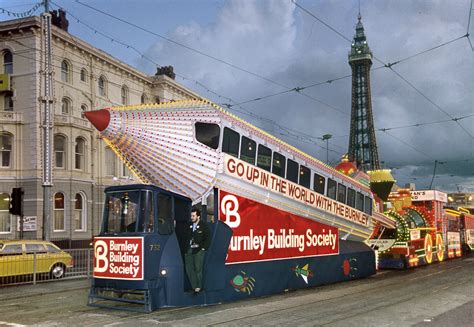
x=47 y=100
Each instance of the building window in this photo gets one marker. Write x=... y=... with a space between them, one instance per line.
x=79 y=213
x=5 y=218
x=124 y=94
x=60 y=151
x=144 y=99
x=8 y=102
x=83 y=75
x=248 y=150
x=84 y=107
x=110 y=162
x=6 y=141
x=102 y=86
x=58 y=212
x=7 y=62
x=66 y=106
x=80 y=150
x=65 y=71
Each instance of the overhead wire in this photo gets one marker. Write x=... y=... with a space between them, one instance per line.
x=390 y=65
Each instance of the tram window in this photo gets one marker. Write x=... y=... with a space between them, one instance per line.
x=164 y=214
x=305 y=176
x=247 y=150
x=208 y=134
x=264 y=157
x=230 y=142
x=319 y=183
x=279 y=162
x=351 y=197
x=360 y=201
x=368 y=205
x=341 y=193
x=332 y=187
x=292 y=171
x=121 y=212
x=147 y=212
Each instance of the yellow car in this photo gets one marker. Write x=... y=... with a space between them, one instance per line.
x=18 y=258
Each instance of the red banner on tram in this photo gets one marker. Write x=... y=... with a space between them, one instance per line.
x=261 y=232
x=118 y=257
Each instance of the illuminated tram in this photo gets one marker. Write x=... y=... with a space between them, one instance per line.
x=280 y=219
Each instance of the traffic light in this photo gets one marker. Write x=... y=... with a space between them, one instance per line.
x=16 y=202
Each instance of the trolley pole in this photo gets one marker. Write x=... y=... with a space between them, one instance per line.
x=326 y=138
x=47 y=101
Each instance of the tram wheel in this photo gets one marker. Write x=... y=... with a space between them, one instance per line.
x=428 y=249
x=58 y=271
x=439 y=247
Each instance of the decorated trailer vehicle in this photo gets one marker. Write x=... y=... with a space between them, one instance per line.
x=279 y=219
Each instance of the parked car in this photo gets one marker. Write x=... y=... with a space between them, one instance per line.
x=18 y=258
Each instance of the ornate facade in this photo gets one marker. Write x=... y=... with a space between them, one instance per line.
x=85 y=78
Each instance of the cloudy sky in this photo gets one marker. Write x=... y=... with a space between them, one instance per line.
x=235 y=51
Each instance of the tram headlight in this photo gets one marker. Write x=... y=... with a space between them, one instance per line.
x=163 y=272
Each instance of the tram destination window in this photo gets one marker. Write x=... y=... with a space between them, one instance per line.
x=165 y=217
x=279 y=163
x=292 y=171
x=341 y=193
x=248 y=150
x=208 y=134
x=230 y=142
x=305 y=176
x=319 y=183
x=351 y=197
x=360 y=201
x=147 y=216
x=332 y=187
x=264 y=157
x=121 y=211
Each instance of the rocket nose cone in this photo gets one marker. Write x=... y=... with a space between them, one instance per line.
x=99 y=118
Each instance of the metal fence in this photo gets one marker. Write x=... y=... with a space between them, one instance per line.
x=36 y=267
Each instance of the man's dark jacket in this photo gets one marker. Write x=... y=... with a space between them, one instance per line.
x=200 y=239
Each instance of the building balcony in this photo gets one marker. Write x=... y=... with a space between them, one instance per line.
x=62 y=120
x=11 y=117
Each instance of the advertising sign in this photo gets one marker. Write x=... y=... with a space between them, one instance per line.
x=118 y=258
x=382 y=244
x=240 y=169
x=429 y=195
x=262 y=233
x=454 y=240
x=29 y=224
x=470 y=238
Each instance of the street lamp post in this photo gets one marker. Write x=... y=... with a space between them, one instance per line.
x=326 y=138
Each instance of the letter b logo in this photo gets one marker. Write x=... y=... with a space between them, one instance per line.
x=230 y=208
x=100 y=253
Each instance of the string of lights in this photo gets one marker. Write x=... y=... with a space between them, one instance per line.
x=21 y=14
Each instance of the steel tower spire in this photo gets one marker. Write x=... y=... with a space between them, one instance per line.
x=362 y=143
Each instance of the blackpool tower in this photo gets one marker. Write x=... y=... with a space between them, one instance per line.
x=362 y=144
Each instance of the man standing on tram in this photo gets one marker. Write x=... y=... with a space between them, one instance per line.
x=198 y=240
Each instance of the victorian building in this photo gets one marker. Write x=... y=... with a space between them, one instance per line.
x=85 y=78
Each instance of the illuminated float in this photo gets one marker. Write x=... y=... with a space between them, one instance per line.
x=280 y=219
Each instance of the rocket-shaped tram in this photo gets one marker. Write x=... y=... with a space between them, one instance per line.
x=279 y=218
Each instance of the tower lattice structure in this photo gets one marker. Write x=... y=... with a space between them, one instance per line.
x=362 y=143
